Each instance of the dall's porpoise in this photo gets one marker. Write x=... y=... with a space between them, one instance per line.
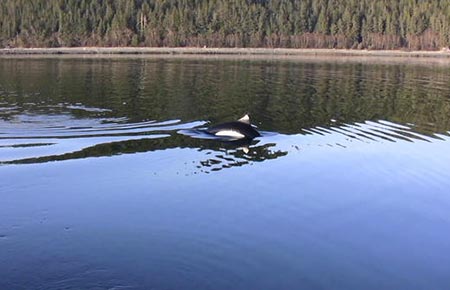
x=236 y=130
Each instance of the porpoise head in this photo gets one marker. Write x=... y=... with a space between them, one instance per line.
x=236 y=130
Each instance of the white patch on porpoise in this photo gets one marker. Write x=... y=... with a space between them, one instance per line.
x=230 y=133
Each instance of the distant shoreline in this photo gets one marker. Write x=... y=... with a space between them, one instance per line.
x=220 y=51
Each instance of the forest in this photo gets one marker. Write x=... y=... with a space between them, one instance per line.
x=351 y=24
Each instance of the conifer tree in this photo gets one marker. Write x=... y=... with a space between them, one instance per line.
x=366 y=24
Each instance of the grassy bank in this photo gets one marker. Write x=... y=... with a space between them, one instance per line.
x=222 y=51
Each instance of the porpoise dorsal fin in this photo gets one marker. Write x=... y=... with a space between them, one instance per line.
x=245 y=119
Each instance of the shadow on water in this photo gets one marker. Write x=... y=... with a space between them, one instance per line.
x=63 y=109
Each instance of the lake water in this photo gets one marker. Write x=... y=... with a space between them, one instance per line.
x=103 y=186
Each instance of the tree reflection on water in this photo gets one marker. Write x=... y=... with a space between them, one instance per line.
x=61 y=109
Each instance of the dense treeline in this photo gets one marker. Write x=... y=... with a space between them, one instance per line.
x=381 y=24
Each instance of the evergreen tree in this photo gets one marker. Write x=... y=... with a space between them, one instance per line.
x=385 y=24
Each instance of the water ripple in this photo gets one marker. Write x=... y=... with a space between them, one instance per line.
x=62 y=137
x=70 y=138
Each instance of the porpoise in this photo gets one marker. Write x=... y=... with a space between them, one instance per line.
x=236 y=130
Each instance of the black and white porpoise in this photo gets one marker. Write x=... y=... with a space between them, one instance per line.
x=236 y=130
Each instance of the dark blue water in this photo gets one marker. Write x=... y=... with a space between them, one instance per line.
x=103 y=187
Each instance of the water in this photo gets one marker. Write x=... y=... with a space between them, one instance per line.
x=104 y=186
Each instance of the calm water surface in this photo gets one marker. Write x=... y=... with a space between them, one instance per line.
x=103 y=187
